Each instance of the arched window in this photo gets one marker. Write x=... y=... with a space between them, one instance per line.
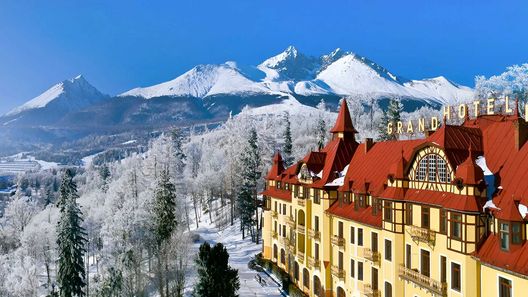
x=340 y=292
x=433 y=168
x=283 y=257
x=306 y=278
x=275 y=252
x=318 y=291
x=296 y=271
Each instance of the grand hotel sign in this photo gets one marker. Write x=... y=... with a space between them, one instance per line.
x=487 y=107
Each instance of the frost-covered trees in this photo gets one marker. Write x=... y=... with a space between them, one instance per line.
x=215 y=277
x=287 y=146
x=71 y=240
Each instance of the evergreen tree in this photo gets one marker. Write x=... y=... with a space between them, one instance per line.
x=215 y=277
x=288 y=147
x=112 y=285
x=247 y=195
x=164 y=225
x=392 y=115
x=71 y=240
x=321 y=133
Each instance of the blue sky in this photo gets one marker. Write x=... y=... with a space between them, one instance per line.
x=119 y=45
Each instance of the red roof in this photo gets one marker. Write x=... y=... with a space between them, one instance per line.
x=362 y=215
x=344 y=122
x=276 y=193
x=515 y=260
x=277 y=168
x=469 y=172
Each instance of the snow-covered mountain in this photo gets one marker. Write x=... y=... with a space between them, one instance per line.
x=339 y=73
x=69 y=95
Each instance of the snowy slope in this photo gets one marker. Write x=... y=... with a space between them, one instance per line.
x=201 y=81
x=442 y=89
x=69 y=95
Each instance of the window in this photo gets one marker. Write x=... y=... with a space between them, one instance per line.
x=340 y=260
x=443 y=221
x=346 y=198
x=287 y=186
x=374 y=241
x=280 y=229
x=352 y=235
x=516 y=233
x=275 y=205
x=388 y=289
x=456 y=226
x=340 y=229
x=425 y=263
x=408 y=256
x=316 y=251
x=388 y=250
x=505 y=287
x=374 y=278
x=361 y=201
x=505 y=236
x=387 y=212
x=295 y=190
x=275 y=252
x=283 y=257
x=433 y=168
x=408 y=214
x=360 y=237
x=291 y=212
x=280 y=208
x=316 y=198
x=278 y=185
x=316 y=223
x=443 y=268
x=455 y=277
x=306 y=278
x=352 y=267
x=284 y=230
x=360 y=271
x=275 y=226
x=296 y=271
x=284 y=209
x=425 y=217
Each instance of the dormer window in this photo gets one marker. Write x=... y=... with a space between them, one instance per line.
x=279 y=185
x=509 y=233
x=433 y=168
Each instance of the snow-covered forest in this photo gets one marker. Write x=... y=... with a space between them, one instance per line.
x=207 y=170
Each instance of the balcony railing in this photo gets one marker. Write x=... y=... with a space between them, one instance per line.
x=300 y=256
x=301 y=229
x=290 y=221
x=338 y=272
x=314 y=234
x=274 y=234
x=371 y=255
x=423 y=235
x=370 y=292
x=338 y=241
x=285 y=241
x=274 y=214
x=313 y=263
x=301 y=202
x=434 y=286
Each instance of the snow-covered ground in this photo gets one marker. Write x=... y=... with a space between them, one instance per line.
x=241 y=251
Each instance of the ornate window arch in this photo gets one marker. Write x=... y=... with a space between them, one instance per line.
x=431 y=166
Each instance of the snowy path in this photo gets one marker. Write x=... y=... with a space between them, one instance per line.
x=240 y=253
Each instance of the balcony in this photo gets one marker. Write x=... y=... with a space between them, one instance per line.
x=274 y=234
x=338 y=272
x=274 y=214
x=301 y=202
x=435 y=287
x=314 y=234
x=423 y=235
x=368 y=291
x=290 y=222
x=371 y=255
x=301 y=229
x=338 y=241
x=313 y=263
x=300 y=257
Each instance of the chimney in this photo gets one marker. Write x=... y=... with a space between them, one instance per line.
x=369 y=142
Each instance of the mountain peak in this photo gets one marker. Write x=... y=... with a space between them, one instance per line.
x=73 y=93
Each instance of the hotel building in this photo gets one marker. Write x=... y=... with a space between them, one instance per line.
x=404 y=218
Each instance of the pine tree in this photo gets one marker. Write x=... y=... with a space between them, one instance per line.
x=247 y=195
x=393 y=115
x=164 y=225
x=71 y=240
x=215 y=277
x=288 y=147
x=321 y=133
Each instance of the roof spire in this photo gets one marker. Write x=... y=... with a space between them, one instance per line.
x=343 y=123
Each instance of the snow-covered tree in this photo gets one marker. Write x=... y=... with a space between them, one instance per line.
x=215 y=277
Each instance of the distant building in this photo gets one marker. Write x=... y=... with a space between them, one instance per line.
x=404 y=218
x=14 y=167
